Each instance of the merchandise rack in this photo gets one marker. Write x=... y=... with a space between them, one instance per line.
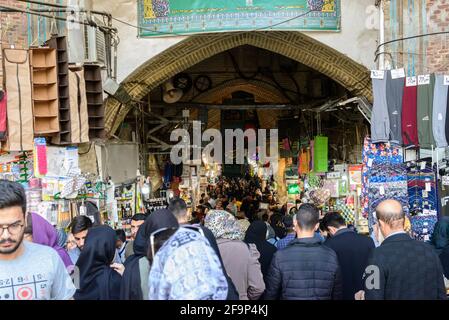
x=94 y=92
x=59 y=43
x=44 y=91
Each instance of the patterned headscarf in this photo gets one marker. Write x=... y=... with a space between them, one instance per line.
x=223 y=225
x=244 y=224
x=187 y=268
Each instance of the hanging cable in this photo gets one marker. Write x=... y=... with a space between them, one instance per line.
x=239 y=71
x=377 y=54
x=31 y=12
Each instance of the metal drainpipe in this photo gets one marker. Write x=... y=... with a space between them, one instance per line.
x=381 y=35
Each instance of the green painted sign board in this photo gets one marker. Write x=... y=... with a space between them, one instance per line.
x=182 y=17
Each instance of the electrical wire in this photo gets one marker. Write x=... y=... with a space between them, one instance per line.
x=377 y=54
x=239 y=71
x=84 y=153
x=31 y=12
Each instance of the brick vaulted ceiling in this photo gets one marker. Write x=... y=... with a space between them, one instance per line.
x=294 y=45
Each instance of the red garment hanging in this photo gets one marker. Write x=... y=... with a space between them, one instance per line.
x=409 y=116
x=3 y=126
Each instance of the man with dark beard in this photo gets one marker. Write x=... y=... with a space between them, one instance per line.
x=28 y=271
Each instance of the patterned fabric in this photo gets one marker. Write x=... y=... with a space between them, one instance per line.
x=423 y=199
x=320 y=196
x=423 y=226
x=281 y=244
x=223 y=225
x=187 y=268
x=375 y=154
x=386 y=181
x=346 y=212
x=244 y=224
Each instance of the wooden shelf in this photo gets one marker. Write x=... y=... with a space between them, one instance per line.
x=95 y=106
x=44 y=91
x=59 y=43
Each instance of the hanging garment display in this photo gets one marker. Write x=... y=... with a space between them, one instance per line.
x=78 y=107
x=373 y=154
x=423 y=226
x=439 y=112
x=380 y=121
x=321 y=154
x=423 y=198
x=443 y=192
x=304 y=161
x=425 y=113
x=395 y=92
x=16 y=66
x=386 y=181
x=409 y=117
x=3 y=118
x=422 y=187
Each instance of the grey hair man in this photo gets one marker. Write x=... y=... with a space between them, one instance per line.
x=401 y=268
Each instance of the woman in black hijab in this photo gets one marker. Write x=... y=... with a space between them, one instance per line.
x=277 y=225
x=256 y=234
x=97 y=279
x=137 y=267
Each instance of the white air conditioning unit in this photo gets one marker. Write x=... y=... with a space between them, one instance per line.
x=95 y=46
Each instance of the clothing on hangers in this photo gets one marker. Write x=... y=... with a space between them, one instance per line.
x=423 y=198
x=425 y=114
x=373 y=154
x=440 y=97
x=394 y=94
x=409 y=117
x=387 y=181
x=380 y=120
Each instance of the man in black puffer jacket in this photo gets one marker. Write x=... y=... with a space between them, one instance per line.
x=305 y=269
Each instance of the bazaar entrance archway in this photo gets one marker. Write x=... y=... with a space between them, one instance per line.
x=294 y=45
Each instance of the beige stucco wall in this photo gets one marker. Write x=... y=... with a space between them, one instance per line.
x=356 y=40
